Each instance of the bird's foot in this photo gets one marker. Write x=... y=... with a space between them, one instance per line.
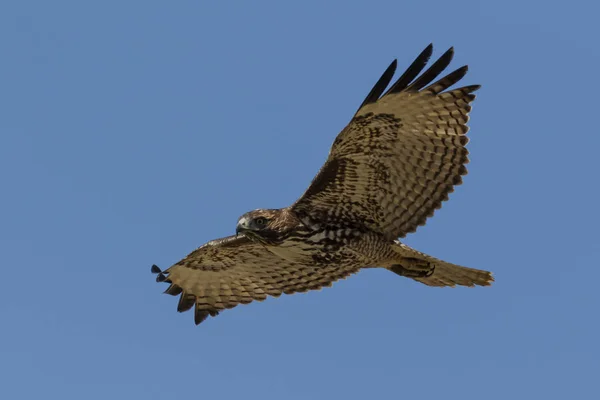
x=414 y=268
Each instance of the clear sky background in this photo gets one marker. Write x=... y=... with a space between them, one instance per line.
x=132 y=132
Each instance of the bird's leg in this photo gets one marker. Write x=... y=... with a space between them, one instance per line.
x=413 y=268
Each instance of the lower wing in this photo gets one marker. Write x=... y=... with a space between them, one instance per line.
x=235 y=270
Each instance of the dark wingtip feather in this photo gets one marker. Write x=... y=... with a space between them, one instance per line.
x=161 y=277
x=186 y=301
x=155 y=270
x=381 y=84
x=200 y=316
x=433 y=71
x=444 y=83
x=173 y=290
x=412 y=71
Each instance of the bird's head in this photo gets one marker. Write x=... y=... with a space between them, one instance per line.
x=266 y=226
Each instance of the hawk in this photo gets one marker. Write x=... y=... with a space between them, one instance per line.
x=387 y=171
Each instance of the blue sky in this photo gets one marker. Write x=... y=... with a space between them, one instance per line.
x=132 y=132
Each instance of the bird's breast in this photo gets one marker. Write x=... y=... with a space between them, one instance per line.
x=306 y=247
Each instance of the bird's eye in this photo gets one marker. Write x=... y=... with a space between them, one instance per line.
x=260 y=221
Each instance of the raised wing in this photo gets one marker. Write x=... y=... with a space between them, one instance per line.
x=234 y=270
x=401 y=155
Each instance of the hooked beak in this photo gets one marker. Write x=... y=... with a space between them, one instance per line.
x=242 y=226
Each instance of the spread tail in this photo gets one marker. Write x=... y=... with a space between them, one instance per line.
x=434 y=272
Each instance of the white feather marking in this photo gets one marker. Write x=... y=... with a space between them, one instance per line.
x=318 y=237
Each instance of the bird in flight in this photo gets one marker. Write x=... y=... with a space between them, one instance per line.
x=387 y=171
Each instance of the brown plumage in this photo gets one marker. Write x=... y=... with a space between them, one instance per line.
x=388 y=170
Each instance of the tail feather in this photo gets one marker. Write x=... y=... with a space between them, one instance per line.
x=445 y=273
